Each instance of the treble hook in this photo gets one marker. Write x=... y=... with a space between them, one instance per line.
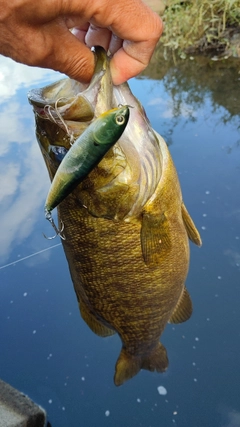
x=50 y=111
x=49 y=217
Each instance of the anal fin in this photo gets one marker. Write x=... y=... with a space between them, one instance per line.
x=183 y=309
x=95 y=325
x=192 y=231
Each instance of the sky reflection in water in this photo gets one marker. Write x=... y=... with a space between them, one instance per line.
x=46 y=349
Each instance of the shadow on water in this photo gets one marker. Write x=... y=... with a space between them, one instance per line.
x=191 y=80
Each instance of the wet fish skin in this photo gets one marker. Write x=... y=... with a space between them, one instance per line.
x=127 y=232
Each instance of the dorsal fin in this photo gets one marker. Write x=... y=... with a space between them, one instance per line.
x=183 y=309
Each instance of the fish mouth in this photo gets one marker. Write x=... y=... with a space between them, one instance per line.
x=74 y=100
x=71 y=106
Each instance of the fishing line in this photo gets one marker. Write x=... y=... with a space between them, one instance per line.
x=29 y=256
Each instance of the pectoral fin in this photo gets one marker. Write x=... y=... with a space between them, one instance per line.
x=192 y=231
x=95 y=325
x=155 y=238
x=183 y=309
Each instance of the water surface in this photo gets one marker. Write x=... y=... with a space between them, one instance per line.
x=47 y=351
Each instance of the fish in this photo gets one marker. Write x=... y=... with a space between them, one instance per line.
x=127 y=228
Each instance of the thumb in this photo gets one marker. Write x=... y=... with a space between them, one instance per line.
x=128 y=62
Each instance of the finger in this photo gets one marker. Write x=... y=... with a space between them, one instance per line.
x=130 y=20
x=115 y=44
x=67 y=54
x=123 y=67
x=129 y=61
x=80 y=33
x=97 y=36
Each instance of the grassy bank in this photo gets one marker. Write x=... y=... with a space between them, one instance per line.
x=200 y=26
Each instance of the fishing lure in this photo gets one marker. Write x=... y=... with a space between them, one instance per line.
x=86 y=152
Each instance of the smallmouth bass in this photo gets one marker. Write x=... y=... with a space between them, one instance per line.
x=126 y=226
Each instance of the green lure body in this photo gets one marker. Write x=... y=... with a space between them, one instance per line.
x=86 y=152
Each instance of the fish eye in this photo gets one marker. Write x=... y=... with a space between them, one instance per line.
x=120 y=120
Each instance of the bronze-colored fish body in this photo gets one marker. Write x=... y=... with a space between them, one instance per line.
x=127 y=232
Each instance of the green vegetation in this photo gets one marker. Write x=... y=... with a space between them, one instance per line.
x=194 y=26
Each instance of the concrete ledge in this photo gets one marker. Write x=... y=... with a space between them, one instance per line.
x=17 y=410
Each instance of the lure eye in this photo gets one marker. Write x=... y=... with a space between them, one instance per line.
x=120 y=120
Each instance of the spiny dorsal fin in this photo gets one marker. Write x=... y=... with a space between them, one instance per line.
x=155 y=238
x=97 y=327
x=183 y=309
x=192 y=231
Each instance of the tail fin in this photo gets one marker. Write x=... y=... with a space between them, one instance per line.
x=129 y=365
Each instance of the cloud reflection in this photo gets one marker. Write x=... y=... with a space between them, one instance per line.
x=234 y=258
x=170 y=108
x=22 y=198
x=8 y=179
x=233 y=419
x=14 y=75
x=23 y=175
x=12 y=127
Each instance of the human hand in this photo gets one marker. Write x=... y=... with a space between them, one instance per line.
x=37 y=33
